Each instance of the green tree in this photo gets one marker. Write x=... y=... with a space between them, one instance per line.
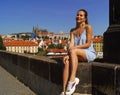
x=2 y=47
x=51 y=46
x=41 y=52
x=60 y=46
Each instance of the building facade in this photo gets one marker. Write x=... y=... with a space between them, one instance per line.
x=21 y=46
x=98 y=45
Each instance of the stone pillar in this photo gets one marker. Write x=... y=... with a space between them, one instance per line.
x=111 y=47
x=114 y=12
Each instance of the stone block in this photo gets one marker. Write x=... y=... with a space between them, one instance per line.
x=84 y=73
x=14 y=58
x=8 y=62
x=117 y=80
x=111 y=49
x=103 y=79
x=24 y=61
x=56 y=71
x=40 y=67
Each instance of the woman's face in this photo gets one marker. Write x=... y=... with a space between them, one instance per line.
x=80 y=17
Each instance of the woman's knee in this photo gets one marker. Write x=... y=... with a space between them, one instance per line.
x=73 y=52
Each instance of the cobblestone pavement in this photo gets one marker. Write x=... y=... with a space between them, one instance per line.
x=9 y=85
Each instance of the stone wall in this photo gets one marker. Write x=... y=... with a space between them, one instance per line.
x=44 y=75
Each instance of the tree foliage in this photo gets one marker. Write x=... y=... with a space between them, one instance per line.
x=2 y=47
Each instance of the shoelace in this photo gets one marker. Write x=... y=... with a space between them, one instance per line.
x=70 y=86
x=73 y=85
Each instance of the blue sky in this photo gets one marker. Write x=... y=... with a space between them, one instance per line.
x=18 y=16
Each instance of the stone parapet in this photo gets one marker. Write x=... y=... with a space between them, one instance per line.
x=44 y=75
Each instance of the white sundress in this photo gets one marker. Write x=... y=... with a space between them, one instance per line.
x=90 y=52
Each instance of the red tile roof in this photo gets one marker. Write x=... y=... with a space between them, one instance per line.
x=20 y=43
x=44 y=33
x=97 y=39
x=55 y=50
x=64 y=42
x=7 y=39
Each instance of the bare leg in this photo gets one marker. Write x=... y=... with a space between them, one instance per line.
x=65 y=72
x=74 y=53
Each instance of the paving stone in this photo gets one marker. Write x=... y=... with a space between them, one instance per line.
x=9 y=85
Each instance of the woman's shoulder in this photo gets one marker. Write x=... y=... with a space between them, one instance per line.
x=88 y=26
x=72 y=30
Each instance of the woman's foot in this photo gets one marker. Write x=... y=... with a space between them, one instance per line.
x=72 y=86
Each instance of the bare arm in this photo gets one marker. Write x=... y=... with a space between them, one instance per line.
x=71 y=38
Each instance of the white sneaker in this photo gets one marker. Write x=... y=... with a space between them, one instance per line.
x=62 y=93
x=72 y=86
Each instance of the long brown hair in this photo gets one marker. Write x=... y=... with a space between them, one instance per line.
x=86 y=15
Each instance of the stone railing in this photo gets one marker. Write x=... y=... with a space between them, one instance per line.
x=44 y=75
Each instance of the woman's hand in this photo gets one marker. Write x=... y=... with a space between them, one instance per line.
x=66 y=59
x=71 y=47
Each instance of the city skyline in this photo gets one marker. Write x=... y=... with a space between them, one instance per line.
x=55 y=16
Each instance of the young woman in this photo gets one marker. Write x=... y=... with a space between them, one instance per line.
x=80 y=48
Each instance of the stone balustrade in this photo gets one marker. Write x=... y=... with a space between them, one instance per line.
x=44 y=75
